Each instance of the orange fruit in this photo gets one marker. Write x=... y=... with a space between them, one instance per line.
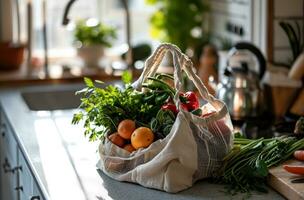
x=129 y=148
x=126 y=128
x=142 y=137
x=117 y=140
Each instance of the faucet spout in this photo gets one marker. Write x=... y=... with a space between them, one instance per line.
x=66 y=20
x=129 y=59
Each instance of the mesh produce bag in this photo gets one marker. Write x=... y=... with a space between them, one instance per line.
x=194 y=148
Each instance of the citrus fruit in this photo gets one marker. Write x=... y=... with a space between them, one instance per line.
x=126 y=128
x=117 y=140
x=142 y=137
x=129 y=148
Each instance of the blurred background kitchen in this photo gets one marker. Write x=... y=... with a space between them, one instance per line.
x=248 y=53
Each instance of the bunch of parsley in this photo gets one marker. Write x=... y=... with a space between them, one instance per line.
x=102 y=109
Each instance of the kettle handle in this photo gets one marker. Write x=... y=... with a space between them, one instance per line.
x=253 y=49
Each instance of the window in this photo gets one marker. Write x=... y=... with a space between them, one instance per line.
x=60 y=38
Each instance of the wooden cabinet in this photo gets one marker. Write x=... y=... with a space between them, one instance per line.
x=17 y=180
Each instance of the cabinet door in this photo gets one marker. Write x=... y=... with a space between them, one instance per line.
x=37 y=195
x=8 y=180
x=1 y=152
x=8 y=161
x=25 y=179
x=2 y=133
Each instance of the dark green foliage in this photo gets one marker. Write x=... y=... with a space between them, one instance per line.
x=103 y=109
x=94 y=35
x=162 y=124
x=175 y=20
x=126 y=77
x=246 y=166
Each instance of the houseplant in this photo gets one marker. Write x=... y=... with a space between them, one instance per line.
x=92 y=37
x=179 y=22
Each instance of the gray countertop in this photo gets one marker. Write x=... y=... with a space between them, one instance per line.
x=64 y=161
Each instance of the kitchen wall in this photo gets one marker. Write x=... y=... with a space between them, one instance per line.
x=0 y=20
x=240 y=20
x=258 y=21
x=6 y=30
x=288 y=11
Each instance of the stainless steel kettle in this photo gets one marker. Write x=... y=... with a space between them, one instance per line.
x=240 y=88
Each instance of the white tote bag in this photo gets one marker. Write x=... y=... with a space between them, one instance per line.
x=194 y=148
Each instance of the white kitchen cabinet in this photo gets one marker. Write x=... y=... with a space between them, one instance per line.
x=30 y=189
x=37 y=195
x=8 y=162
x=17 y=180
x=25 y=179
x=8 y=182
x=1 y=152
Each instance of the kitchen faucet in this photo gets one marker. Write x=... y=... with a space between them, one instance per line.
x=129 y=57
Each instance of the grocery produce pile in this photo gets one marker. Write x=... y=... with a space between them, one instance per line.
x=246 y=166
x=132 y=119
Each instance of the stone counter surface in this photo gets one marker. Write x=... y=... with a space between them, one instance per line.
x=64 y=161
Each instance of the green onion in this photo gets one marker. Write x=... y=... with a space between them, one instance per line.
x=246 y=166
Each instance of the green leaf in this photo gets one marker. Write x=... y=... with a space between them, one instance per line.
x=239 y=134
x=126 y=77
x=88 y=82
x=77 y=117
x=197 y=112
x=261 y=168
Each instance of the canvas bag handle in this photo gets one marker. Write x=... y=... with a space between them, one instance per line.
x=181 y=62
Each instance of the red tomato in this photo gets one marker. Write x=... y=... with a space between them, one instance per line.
x=170 y=106
x=294 y=169
x=190 y=99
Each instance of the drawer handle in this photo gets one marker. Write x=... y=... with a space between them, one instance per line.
x=19 y=188
x=7 y=166
x=18 y=168
x=35 y=198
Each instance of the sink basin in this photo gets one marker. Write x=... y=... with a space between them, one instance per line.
x=51 y=100
x=60 y=97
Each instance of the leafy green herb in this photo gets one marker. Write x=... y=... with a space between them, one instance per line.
x=126 y=77
x=162 y=124
x=246 y=166
x=88 y=82
x=103 y=108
